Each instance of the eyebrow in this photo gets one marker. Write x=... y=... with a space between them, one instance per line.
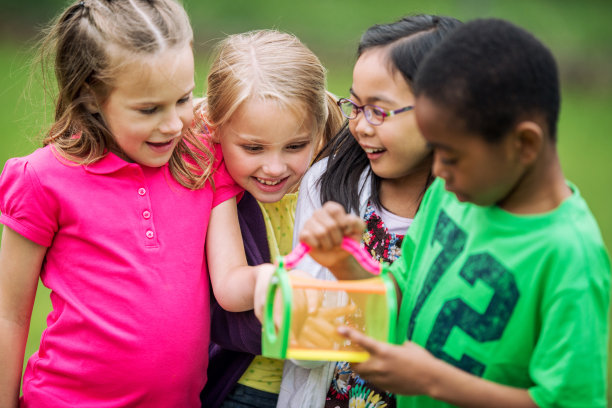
x=434 y=145
x=246 y=138
x=145 y=102
x=371 y=99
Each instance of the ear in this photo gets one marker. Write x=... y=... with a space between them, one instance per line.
x=89 y=99
x=529 y=140
x=215 y=133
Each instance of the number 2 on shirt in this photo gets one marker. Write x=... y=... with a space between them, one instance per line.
x=482 y=327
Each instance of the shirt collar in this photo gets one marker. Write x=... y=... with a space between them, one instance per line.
x=109 y=163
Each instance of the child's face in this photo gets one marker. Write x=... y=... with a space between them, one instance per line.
x=395 y=148
x=150 y=106
x=266 y=148
x=473 y=169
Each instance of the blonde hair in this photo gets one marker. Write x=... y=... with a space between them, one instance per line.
x=270 y=65
x=87 y=45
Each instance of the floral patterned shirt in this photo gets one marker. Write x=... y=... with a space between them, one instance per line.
x=347 y=389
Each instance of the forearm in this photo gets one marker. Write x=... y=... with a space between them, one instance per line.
x=234 y=292
x=452 y=385
x=12 y=345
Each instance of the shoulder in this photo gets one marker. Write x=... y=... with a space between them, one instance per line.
x=577 y=234
x=315 y=172
x=41 y=163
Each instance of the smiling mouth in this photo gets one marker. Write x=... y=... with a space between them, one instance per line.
x=369 y=150
x=160 y=144
x=269 y=182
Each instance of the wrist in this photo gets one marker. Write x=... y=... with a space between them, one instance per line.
x=433 y=380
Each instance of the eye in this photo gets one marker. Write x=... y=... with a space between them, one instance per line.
x=448 y=161
x=148 y=111
x=297 y=146
x=252 y=148
x=184 y=99
x=376 y=112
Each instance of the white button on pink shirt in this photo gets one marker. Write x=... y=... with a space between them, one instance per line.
x=130 y=292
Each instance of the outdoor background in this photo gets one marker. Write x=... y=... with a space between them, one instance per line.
x=578 y=32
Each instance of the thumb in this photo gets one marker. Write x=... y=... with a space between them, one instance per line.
x=355 y=336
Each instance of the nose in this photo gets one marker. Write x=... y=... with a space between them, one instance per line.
x=274 y=165
x=438 y=169
x=361 y=127
x=172 y=124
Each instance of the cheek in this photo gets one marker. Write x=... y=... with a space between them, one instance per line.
x=186 y=114
x=301 y=162
x=352 y=124
x=236 y=162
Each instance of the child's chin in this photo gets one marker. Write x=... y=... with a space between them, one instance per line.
x=268 y=197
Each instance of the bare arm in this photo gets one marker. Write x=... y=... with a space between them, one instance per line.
x=20 y=263
x=233 y=281
x=409 y=369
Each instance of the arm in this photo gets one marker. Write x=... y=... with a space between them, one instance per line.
x=411 y=370
x=241 y=331
x=233 y=281
x=20 y=263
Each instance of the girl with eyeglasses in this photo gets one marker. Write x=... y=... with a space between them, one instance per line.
x=379 y=167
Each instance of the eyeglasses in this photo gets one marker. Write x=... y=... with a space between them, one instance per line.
x=373 y=114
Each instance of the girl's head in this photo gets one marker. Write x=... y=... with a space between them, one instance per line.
x=388 y=58
x=124 y=71
x=382 y=130
x=268 y=107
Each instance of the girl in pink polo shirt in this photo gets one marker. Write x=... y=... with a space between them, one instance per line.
x=112 y=214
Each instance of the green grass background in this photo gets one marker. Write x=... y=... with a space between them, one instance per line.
x=578 y=33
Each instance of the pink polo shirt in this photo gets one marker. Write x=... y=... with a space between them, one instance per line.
x=129 y=286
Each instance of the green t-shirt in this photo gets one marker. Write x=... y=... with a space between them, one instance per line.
x=518 y=300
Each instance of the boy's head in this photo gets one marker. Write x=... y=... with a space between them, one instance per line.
x=487 y=100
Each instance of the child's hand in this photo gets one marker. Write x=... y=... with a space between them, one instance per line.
x=405 y=369
x=324 y=232
x=304 y=300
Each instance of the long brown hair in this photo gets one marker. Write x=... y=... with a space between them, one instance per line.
x=87 y=45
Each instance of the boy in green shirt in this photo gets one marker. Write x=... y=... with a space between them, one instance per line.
x=504 y=276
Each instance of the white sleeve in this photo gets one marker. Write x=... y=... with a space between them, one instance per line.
x=309 y=200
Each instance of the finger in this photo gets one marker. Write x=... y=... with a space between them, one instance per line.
x=331 y=227
x=320 y=229
x=355 y=336
x=329 y=222
x=352 y=226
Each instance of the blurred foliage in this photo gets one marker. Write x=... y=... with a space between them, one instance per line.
x=576 y=31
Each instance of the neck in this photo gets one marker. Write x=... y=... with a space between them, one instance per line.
x=542 y=187
x=402 y=196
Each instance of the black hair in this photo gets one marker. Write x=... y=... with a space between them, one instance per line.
x=492 y=74
x=411 y=38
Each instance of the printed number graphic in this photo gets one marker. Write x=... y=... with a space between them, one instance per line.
x=452 y=239
x=482 y=327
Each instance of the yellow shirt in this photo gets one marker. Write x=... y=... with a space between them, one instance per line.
x=265 y=373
